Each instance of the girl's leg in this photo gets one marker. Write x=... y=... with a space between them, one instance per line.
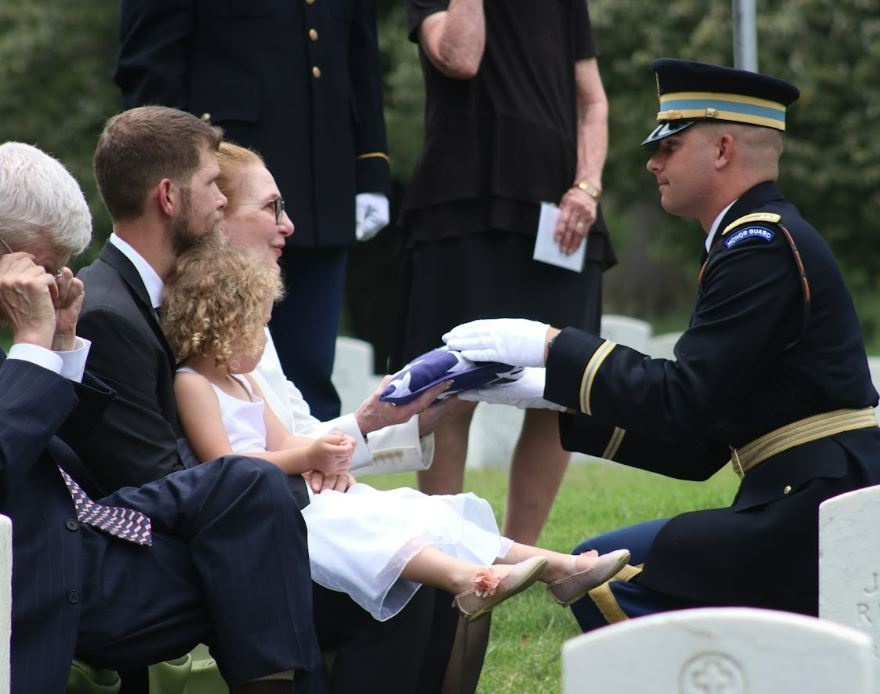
x=431 y=567
x=478 y=589
x=558 y=565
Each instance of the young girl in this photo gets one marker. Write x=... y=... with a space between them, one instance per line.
x=376 y=546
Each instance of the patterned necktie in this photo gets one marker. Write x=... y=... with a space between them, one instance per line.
x=124 y=523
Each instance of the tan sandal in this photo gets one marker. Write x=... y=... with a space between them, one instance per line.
x=567 y=590
x=475 y=602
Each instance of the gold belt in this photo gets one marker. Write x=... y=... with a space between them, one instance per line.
x=797 y=433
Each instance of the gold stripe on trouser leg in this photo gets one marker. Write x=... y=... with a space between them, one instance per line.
x=604 y=599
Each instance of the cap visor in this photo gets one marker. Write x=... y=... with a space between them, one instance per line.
x=665 y=130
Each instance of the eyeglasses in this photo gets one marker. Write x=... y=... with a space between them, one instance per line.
x=59 y=274
x=277 y=205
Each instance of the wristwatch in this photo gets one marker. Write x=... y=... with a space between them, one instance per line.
x=589 y=189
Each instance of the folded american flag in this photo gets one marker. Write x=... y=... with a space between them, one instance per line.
x=443 y=364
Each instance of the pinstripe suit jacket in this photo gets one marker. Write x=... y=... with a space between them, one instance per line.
x=36 y=405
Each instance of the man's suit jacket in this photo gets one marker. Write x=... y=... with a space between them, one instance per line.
x=47 y=551
x=298 y=81
x=136 y=441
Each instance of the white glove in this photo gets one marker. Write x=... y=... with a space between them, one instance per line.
x=526 y=393
x=370 y=215
x=514 y=341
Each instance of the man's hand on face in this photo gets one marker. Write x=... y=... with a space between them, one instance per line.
x=67 y=308
x=27 y=300
x=373 y=414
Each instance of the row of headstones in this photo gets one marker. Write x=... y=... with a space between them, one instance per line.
x=742 y=650
x=495 y=427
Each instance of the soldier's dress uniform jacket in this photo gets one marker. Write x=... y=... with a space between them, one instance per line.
x=298 y=81
x=773 y=339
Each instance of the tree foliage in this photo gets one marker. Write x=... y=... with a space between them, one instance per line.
x=56 y=90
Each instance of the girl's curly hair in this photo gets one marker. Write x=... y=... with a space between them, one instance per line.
x=215 y=300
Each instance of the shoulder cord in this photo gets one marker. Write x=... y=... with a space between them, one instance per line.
x=802 y=272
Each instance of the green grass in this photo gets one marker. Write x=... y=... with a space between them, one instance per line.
x=528 y=631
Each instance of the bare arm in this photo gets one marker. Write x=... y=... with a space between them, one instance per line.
x=202 y=421
x=454 y=40
x=199 y=412
x=592 y=107
x=330 y=454
x=578 y=206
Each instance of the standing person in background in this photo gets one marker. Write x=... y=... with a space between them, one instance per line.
x=301 y=83
x=516 y=114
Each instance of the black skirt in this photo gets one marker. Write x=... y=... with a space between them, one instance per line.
x=488 y=274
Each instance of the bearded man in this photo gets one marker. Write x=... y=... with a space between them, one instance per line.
x=156 y=169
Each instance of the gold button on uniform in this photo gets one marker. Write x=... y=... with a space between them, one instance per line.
x=787 y=489
x=313 y=34
x=310 y=2
x=316 y=72
x=206 y=117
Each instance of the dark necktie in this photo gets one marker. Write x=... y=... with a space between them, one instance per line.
x=124 y=523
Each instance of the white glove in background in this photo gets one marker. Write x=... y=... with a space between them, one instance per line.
x=525 y=393
x=370 y=215
x=514 y=341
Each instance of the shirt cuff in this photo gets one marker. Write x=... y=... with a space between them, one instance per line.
x=71 y=365
x=74 y=361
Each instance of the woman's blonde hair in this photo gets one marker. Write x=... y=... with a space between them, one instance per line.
x=215 y=301
x=232 y=158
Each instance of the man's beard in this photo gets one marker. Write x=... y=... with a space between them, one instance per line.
x=184 y=236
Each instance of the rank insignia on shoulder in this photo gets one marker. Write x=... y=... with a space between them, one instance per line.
x=751 y=219
x=754 y=232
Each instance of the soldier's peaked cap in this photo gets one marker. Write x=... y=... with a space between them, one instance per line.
x=691 y=92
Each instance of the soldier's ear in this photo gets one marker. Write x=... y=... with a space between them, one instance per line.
x=725 y=150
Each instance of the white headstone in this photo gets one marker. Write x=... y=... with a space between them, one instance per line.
x=5 y=600
x=661 y=346
x=353 y=375
x=849 y=562
x=731 y=650
x=493 y=434
x=624 y=330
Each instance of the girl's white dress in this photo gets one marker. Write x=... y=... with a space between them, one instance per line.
x=360 y=540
